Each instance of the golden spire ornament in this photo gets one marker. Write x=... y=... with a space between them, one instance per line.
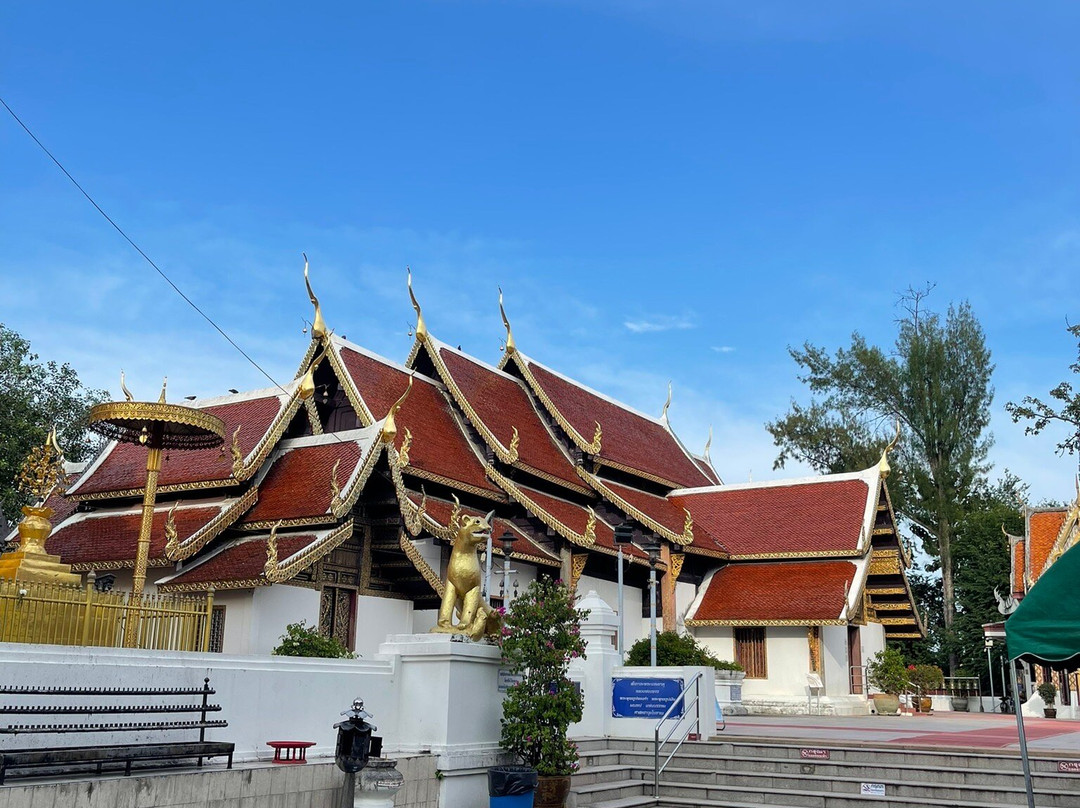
x=421 y=326
x=509 y=347
x=318 y=328
x=41 y=475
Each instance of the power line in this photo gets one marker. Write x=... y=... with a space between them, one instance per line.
x=138 y=249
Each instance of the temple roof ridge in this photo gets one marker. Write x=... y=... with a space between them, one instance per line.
x=869 y=476
x=287 y=389
x=437 y=344
x=362 y=434
x=352 y=346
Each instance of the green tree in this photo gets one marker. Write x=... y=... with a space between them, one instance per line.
x=1042 y=414
x=936 y=383
x=34 y=396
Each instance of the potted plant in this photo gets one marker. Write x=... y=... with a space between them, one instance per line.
x=958 y=698
x=925 y=679
x=886 y=672
x=541 y=634
x=1048 y=693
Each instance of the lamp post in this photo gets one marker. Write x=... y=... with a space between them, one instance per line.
x=507 y=540
x=990 y=668
x=624 y=534
x=653 y=548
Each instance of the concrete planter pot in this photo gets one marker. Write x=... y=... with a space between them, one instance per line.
x=959 y=704
x=551 y=791
x=729 y=692
x=886 y=703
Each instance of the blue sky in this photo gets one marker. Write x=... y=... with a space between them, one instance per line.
x=664 y=190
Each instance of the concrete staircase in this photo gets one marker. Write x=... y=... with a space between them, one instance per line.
x=755 y=773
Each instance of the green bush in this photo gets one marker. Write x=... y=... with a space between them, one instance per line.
x=887 y=672
x=301 y=641
x=674 y=649
x=1048 y=693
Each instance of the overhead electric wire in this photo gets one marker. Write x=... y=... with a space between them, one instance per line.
x=137 y=248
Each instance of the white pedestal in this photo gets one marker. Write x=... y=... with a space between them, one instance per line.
x=599 y=630
x=448 y=703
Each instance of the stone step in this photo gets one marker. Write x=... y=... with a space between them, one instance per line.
x=911 y=788
x=617 y=760
x=626 y=794
x=848 y=752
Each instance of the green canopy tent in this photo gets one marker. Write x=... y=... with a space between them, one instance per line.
x=1045 y=630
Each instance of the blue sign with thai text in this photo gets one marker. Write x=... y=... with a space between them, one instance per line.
x=645 y=698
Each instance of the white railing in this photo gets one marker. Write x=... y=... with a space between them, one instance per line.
x=695 y=683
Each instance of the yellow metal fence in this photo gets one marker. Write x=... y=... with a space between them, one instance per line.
x=59 y=614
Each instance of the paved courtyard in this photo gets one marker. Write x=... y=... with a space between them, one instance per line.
x=958 y=730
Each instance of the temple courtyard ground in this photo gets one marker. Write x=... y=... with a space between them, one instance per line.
x=974 y=731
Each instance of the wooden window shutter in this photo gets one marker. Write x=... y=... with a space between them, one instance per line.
x=750 y=652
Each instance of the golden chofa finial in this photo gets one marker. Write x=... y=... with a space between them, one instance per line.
x=708 y=446
x=663 y=412
x=318 y=328
x=124 y=389
x=307 y=383
x=421 y=326
x=883 y=465
x=164 y=384
x=509 y=347
x=389 y=430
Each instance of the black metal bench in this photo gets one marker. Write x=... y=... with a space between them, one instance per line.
x=63 y=757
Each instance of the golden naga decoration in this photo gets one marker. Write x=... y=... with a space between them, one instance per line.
x=508 y=347
x=590 y=527
x=663 y=412
x=594 y=447
x=455 y=515
x=270 y=568
x=318 y=328
x=237 y=453
x=123 y=387
x=883 y=465
x=307 y=383
x=172 y=543
x=688 y=525
x=41 y=475
x=403 y=452
x=414 y=519
x=421 y=327
x=389 y=430
x=462 y=592
x=335 y=487
x=512 y=452
x=675 y=565
x=577 y=567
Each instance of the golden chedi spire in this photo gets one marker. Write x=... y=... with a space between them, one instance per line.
x=41 y=475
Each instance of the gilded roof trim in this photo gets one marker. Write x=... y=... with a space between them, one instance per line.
x=417 y=560
x=213 y=528
x=808 y=622
x=306 y=556
x=588 y=539
x=685 y=539
x=522 y=363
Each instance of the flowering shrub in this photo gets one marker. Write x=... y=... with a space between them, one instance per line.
x=539 y=638
x=887 y=672
x=926 y=678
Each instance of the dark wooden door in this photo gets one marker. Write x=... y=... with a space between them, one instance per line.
x=854 y=644
x=337 y=615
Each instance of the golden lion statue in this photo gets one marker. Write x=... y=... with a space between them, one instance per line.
x=463 y=579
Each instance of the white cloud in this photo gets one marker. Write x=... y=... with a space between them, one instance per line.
x=723 y=348
x=682 y=323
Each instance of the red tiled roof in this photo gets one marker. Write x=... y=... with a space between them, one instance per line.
x=111 y=536
x=707 y=470
x=825 y=516
x=439 y=446
x=792 y=590
x=502 y=404
x=1043 y=530
x=440 y=511
x=124 y=467
x=243 y=561
x=1019 y=587
x=298 y=483
x=629 y=439
x=667 y=513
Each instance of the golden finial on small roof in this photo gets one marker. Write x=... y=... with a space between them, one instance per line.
x=172 y=543
x=164 y=384
x=509 y=347
x=270 y=568
x=421 y=327
x=515 y=441
x=307 y=383
x=663 y=412
x=883 y=465
x=389 y=430
x=124 y=389
x=318 y=328
x=237 y=453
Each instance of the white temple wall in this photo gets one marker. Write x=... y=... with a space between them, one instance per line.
x=873 y=640
x=608 y=591
x=684 y=597
x=834 y=658
x=238 y=605
x=273 y=608
x=718 y=639
x=378 y=617
x=787 y=654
